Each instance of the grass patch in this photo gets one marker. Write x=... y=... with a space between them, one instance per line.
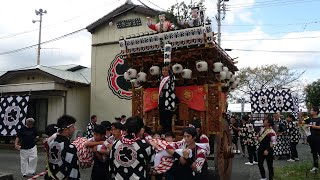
x=295 y=171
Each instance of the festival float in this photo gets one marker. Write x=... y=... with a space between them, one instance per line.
x=204 y=74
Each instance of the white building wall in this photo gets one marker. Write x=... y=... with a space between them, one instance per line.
x=104 y=103
x=78 y=105
x=55 y=109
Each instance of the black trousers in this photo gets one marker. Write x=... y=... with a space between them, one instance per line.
x=269 y=159
x=252 y=153
x=166 y=120
x=314 y=142
x=293 y=149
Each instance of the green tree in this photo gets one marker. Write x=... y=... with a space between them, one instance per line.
x=312 y=92
x=181 y=11
x=266 y=76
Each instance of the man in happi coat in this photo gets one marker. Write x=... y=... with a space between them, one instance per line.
x=131 y=156
x=62 y=155
x=167 y=99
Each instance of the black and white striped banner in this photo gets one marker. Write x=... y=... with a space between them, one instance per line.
x=271 y=101
x=13 y=113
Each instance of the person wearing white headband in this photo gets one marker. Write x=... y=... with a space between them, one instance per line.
x=62 y=155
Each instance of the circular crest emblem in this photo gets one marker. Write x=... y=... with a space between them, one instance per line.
x=12 y=114
x=154 y=96
x=55 y=153
x=126 y=155
x=187 y=95
x=116 y=82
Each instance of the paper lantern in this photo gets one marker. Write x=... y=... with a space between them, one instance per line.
x=167 y=48
x=223 y=75
x=186 y=73
x=177 y=68
x=135 y=83
x=155 y=70
x=126 y=76
x=229 y=75
x=202 y=66
x=142 y=77
x=217 y=67
x=167 y=57
x=233 y=78
x=132 y=73
x=225 y=69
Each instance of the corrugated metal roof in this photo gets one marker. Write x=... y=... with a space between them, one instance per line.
x=65 y=67
x=80 y=76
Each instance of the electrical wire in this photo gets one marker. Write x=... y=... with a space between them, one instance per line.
x=271 y=39
x=275 y=3
x=45 y=42
x=268 y=33
x=267 y=2
x=272 y=51
x=289 y=24
x=155 y=5
x=51 y=25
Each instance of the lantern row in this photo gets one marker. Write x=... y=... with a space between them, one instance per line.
x=146 y=42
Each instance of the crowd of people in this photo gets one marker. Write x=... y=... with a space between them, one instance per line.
x=275 y=137
x=126 y=149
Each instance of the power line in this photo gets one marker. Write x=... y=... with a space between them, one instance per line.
x=51 y=25
x=271 y=39
x=45 y=42
x=250 y=6
x=272 y=51
x=269 y=33
x=267 y=2
x=289 y=24
x=155 y=5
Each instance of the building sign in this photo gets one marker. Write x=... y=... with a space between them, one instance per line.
x=116 y=82
x=129 y=23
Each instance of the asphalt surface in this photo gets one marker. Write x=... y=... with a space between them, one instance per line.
x=10 y=163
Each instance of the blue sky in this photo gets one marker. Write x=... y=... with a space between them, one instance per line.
x=279 y=17
x=248 y=22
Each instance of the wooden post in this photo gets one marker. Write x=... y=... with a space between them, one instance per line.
x=213 y=108
x=137 y=102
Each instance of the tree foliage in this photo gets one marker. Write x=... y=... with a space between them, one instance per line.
x=181 y=11
x=312 y=92
x=266 y=76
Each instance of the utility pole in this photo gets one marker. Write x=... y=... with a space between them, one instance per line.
x=221 y=8
x=39 y=12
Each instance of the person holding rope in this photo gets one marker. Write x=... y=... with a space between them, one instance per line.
x=62 y=155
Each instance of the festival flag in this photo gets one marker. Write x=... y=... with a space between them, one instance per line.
x=13 y=113
x=271 y=101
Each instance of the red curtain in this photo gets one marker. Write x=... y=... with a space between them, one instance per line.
x=191 y=95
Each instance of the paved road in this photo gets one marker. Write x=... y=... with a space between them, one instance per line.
x=10 y=163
